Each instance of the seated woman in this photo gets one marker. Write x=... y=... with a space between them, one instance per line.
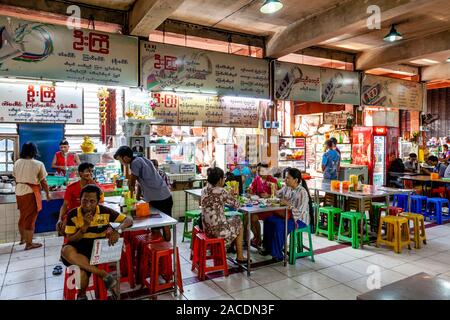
x=296 y=196
x=215 y=224
x=262 y=187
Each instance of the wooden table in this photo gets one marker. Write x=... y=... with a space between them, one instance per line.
x=420 y=286
x=423 y=179
x=148 y=223
x=256 y=210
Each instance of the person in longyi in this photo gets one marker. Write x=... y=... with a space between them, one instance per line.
x=30 y=178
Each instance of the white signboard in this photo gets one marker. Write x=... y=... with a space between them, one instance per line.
x=339 y=86
x=167 y=67
x=33 y=103
x=41 y=50
x=102 y=252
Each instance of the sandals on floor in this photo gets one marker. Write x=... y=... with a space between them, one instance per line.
x=110 y=284
x=57 y=270
x=33 y=246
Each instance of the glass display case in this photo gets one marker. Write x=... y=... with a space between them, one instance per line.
x=292 y=152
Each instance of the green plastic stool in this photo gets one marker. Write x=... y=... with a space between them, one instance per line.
x=296 y=245
x=190 y=214
x=229 y=214
x=331 y=212
x=375 y=217
x=354 y=218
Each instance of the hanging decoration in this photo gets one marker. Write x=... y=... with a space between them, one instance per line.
x=102 y=96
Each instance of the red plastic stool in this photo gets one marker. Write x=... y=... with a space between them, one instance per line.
x=140 y=242
x=393 y=211
x=200 y=257
x=96 y=286
x=438 y=192
x=195 y=231
x=126 y=265
x=160 y=257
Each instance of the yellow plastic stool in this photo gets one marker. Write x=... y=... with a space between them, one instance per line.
x=397 y=233
x=418 y=228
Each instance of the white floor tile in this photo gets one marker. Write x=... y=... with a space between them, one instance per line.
x=51 y=251
x=203 y=290
x=432 y=265
x=358 y=253
x=257 y=293
x=6 y=248
x=339 y=292
x=340 y=273
x=338 y=257
x=315 y=281
x=319 y=263
x=361 y=284
x=52 y=260
x=287 y=289
x=293 y=270
x=54 y=241
x=389 y=276
x=312 y=296
x=55 y=295
x=26 y=264
x=22 y=290
x=27 y=254
x=4 y=258
x=266 y=275
x=384 y=261
x=170 y=296
x=49 y=270
x=235 y=282
x=441 y=257
x=411 y=269
x=35 y=297
x=224 y=297
x=54 y=283
x=3 y=267
x=24 y=276
x=360 y=266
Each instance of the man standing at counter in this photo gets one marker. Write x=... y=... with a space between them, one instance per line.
x=64 y=158
x=72 y=194
x=153 y=187
x=85 y=224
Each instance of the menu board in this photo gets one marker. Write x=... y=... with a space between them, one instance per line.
x=339 y=86
x=207 y=111
x=388 y=92
x=336 y=118
x=173 y=68
x=35 y=49
x=297 y=82
x=33 y=103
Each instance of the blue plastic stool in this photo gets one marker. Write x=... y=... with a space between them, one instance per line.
x=438 y=203
x=401 y=201
x=417 y=203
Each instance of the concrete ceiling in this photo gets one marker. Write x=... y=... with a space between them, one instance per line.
x=124 y=5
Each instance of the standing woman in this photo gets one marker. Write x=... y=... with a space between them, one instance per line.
x=296 y=196
x=30 y=177
x=64 y=159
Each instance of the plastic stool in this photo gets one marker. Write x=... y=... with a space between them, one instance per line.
x=141 y=241
x=393 y=211
x=400 y=201
x=218 y=254
x=96 y=287
x=374 y=218
x=354 y=218
x=397 y=233
x=436 y=204
x=329 y=229
x=418 y=228
x=195 y=231
x=418 y=203
x=296 y=245
x=127 y=257
x=160 y=257
x=190 y=214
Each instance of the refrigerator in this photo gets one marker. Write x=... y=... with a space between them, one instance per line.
x=375 y=147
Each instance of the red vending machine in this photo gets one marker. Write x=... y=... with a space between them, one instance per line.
x=375 y=147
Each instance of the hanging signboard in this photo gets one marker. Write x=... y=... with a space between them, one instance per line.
x=173 y=68
x=388 y=92
x=33 y=103
x=35 y=49
x=339 y=86
x=210 y=111
x=336 y=118
x=297 y=82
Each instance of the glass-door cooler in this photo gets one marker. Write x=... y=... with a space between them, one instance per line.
x=379 y=166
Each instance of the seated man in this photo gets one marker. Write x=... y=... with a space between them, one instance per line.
x=72 y=194
x=437 y=167
x=411 y=164
x=85 y=224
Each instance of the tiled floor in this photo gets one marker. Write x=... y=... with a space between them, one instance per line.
x=341 y=273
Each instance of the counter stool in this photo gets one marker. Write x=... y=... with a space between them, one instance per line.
x=397 y=233
x=296 y=245
x=374 y=218
x=328 y=214
x=160 y=256
x=418 y=203
x=418 y=234
x=216 y=246
x=189 y=215
x=96 y=288
x=434 y=208
x=400 y=201
x=353 y=236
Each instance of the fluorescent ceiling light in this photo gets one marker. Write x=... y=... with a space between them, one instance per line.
x=393 y=35
x=424 y=61
x=271 y=6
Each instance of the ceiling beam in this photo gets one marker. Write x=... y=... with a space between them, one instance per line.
x=344 y=18
x=147 y=15
x=404 y=51
x=437 y=72
x=60 y=7
x=327 y=53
